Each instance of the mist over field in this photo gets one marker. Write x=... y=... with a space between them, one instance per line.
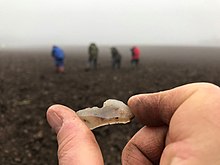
x=174 y=53
x=179 y=43
x=29 y=85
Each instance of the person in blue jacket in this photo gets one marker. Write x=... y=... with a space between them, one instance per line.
x=58 y=55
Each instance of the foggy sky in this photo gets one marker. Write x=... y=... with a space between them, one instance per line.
x=40 y=22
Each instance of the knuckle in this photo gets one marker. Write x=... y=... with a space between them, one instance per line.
x=131 y=155
x=127 y=153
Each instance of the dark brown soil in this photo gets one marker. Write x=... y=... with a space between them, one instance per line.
x=29 y=85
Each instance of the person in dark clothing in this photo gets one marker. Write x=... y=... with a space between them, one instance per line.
x=116 y=58
x=58 y=55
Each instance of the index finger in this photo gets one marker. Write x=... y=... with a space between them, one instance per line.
x=157 y=109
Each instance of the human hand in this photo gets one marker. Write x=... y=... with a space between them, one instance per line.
x=183 y=128
x=76 y=143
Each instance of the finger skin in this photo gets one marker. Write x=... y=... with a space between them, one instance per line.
x=158 y=108
x=75 y=141
x=192 y=113
x=145 y=147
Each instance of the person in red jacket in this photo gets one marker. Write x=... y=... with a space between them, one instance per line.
x=135 y=55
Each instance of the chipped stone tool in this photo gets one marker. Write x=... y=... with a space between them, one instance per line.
x=112 y=112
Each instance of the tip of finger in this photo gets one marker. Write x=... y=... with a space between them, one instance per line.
x=135 y=100
x=60 y=110
x=54 y=109
x=58 y=107
x=132 y=100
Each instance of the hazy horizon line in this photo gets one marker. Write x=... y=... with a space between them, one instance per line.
x=107 y=45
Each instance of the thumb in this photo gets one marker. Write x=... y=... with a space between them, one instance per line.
x=76 y=143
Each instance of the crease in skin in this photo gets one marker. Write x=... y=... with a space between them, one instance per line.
x=112 y=112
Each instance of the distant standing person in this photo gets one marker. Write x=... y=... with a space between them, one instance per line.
x=93 y=56
x=58 y=55
x=116 y=58
x=135 y=56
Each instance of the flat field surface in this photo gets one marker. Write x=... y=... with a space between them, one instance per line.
x=29 y=85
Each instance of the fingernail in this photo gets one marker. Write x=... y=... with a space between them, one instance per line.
x=55 y=121
x=176 y=161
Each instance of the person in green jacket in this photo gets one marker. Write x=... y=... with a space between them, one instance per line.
x=93 y=56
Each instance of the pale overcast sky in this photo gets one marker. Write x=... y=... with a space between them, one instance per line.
x=109 y=22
